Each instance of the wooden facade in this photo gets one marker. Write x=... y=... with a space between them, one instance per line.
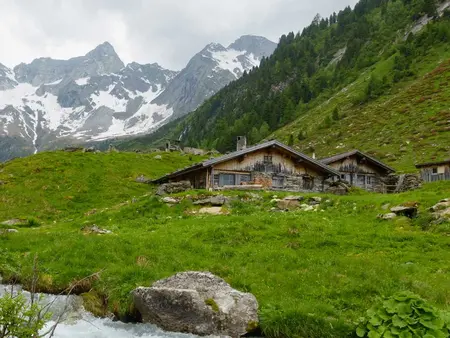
x=360 y=170
x=271 y=165
x=435 y=171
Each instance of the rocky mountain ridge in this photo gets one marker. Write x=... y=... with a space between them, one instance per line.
x=50 y=103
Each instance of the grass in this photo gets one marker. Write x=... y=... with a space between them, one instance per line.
x=58 y=185
x=313 y=273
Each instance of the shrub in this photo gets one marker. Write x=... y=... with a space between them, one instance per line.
x=404 y=315
x=20 y=319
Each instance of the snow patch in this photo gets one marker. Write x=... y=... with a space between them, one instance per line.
x=83 y=81
x=54 y=82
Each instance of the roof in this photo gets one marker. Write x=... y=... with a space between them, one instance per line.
x=227 y=157
x=421 y=165
x=338 y=157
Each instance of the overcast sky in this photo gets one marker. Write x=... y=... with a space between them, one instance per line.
x=169 y=32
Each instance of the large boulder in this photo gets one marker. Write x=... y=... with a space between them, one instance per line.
x=173 y=188
x=198 y=303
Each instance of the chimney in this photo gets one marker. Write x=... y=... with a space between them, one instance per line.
x=314 y=156
x=241 y=143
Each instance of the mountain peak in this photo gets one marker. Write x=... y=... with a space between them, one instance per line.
x=257 y=45
x=103 y=50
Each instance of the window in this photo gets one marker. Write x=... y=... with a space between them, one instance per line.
x=216 y=180
x=435 y=171
x=228 y=179
x=243 y=179
x=268 y=159
x=343 y=176
x=278 y=182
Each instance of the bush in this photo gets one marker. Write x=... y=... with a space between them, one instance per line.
x=404 y=315
x=20 y=319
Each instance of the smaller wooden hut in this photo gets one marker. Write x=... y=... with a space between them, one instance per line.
x=435 y=171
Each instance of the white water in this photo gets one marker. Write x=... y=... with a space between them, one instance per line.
x=77 y=323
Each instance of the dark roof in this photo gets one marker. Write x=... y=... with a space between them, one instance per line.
x=248 y=150
x=338 y=157
x=421 y=165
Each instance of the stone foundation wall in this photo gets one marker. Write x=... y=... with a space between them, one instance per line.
x=294 y=183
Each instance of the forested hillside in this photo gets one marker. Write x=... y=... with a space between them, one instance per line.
x=331 y=79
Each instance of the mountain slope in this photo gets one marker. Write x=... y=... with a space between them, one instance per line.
x=211 y=69
x=340 y=66
x=51 y=103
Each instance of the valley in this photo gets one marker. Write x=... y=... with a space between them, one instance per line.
x=314 y=273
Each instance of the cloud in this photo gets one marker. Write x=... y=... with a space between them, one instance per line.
x=165 y=31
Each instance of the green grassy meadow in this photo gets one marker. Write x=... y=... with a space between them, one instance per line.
x=313 y=273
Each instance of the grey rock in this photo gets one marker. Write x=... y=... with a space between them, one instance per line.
x=215 y=211
x=408 y=211
x=89 y=150
x=173 y=188
x=170 y=200
x=288 y=204
x=93 y=229
x=217 y=201
x=143 y=179
x=294 y=198
x=388 y=216
x=198 y=303
x=158 y=157
x=8 y=231
x=14 y=221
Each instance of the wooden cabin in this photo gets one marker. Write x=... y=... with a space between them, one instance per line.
x=360 y=170
x=435 y=171
x=270 y=165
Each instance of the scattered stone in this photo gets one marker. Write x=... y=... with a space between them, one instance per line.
x=443 y=204
x=294 y=198
x=89 y=150
x=388 y=216
x=288 y=204
x=315 y=200
x=170 y=200
x=441 y=211
x=8 y=231
x=306 y=207
x=216 y=201
x=198 y=303
x=386 y=206
x=173 y=188
x=143 y=179
x=93 y=229
x=337 y=190
x=14 y=221
x=211 y=211
x=408 y=211
x=158 y=157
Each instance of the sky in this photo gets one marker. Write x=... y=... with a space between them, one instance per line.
x=168 y=32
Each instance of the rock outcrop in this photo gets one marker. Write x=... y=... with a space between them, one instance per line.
x=173 y=188
x=198 y=303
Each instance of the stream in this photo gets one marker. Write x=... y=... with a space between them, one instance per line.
x=79 y=323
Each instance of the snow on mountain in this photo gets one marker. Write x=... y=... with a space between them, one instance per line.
x=51 y=103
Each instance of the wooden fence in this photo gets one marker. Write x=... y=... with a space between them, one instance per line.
x=430 y=177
